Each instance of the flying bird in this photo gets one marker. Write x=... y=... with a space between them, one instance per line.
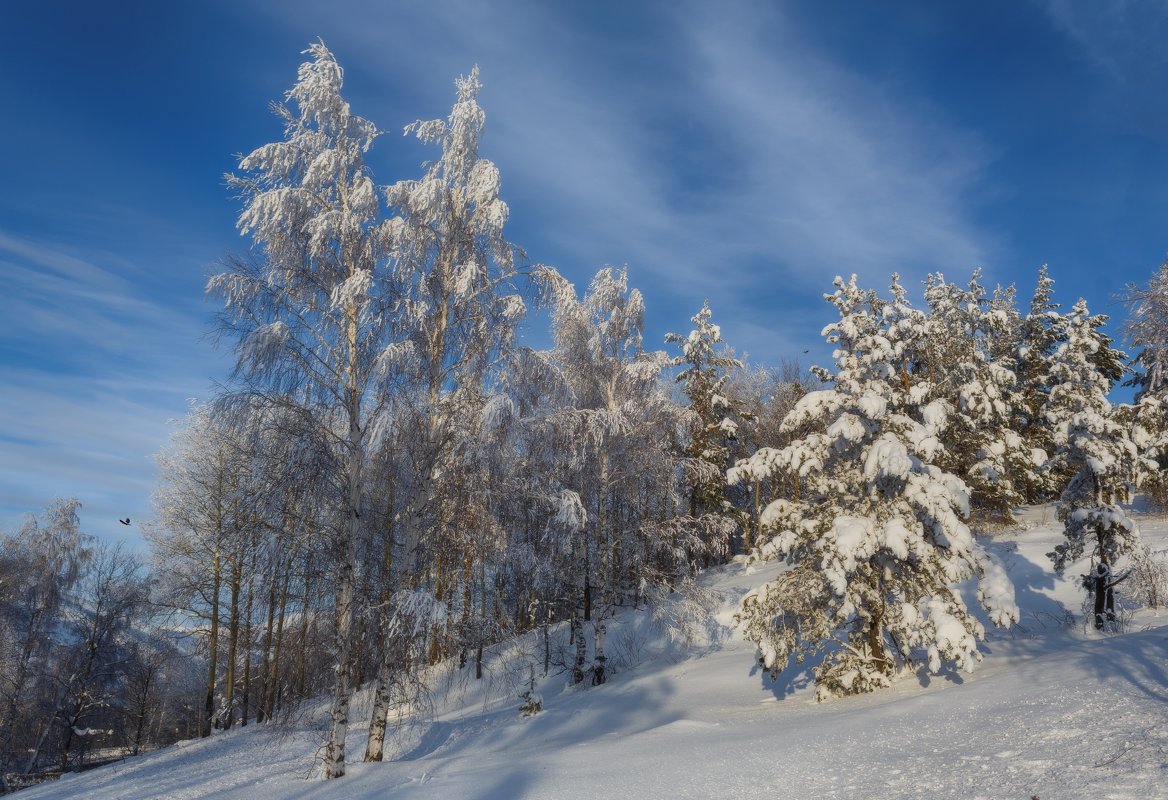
x=125 y=521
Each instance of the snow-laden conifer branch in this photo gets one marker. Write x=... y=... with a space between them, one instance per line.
x=875 y=533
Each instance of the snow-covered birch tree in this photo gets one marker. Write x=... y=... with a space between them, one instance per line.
x=111 y=595
x=875 y=539
x=616 y=502
x=1147 y=335
x=204 y=512
x=311 y=316
x=40 y=564
x=461 y=308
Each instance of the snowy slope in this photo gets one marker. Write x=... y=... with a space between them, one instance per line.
x=1054 y=710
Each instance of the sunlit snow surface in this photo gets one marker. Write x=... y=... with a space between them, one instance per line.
x=1053 y=711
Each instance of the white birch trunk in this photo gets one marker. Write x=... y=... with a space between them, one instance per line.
x=374 y=747
x=334 y=754
x=599 y=674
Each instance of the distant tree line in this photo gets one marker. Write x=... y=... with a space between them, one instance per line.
x=85 y=674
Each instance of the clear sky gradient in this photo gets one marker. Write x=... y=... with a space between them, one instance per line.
x=741 y=152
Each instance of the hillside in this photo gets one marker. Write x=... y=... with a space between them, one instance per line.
x=1054 y=711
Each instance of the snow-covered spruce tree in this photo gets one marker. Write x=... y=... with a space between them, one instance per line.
x=311 y=318
x=973 y=373
x=1146 y=420
x=1039 y=333
x=1002 y=344
x=1092 y=446
x=875 y=538
x=458 y=273
x=713 y=428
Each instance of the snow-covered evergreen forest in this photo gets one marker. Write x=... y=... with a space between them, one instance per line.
x=393 y=482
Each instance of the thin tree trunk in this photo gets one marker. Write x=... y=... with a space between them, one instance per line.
x=245 y=705
x=138 y=726
x=301 y=682
x=876 y=641
x=212 y=645
x=547 y=644
x=266 y=661
x=382 y=700
x=232 y=640
x=481 y=633
x=577 y=629
x=334 y=751
x=274 y=678
x=382 y=694
x=143 y=709
x=35 y=753
x=587 y=597
x=599 y=675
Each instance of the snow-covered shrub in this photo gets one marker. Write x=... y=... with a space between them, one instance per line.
x=1118 y=620
x=688 y=615
x=532 y=700
x=1149 y=578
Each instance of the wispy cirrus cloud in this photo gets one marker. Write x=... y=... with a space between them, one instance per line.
x=835 y=172
x=93 y=369
x=1124 y=38
x=711 y=148
x=1123 y=41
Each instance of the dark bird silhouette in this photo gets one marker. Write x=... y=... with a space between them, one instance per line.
x=806 y=351
x=125 y=521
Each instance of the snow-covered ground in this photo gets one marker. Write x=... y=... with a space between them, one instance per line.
x=1055 y=710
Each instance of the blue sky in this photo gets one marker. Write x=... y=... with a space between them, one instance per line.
x=741 y=152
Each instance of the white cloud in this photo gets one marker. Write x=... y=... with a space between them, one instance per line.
x=69 y=436
x=1124 y=38
x=840 y=174
x=93 y=370
x=709 y=147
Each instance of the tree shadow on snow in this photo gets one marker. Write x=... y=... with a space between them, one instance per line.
x=436 y=735
x=1039 y=612
x=511 y=785
x=795 y=678
x=1138 y=659
x=949 y=673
